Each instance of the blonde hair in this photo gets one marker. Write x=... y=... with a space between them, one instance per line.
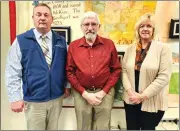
x=145 y=17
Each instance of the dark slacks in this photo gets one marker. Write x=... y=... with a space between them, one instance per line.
x=141 y=120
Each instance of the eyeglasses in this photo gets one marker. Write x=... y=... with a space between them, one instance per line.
x=88 y=24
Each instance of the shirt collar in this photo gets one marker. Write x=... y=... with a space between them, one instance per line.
x=38 y=34
x=97 y=41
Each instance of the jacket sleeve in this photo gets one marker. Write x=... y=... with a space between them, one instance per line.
x=125 y=78
x=164 y=73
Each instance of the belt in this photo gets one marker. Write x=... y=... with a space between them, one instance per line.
x=92 y=89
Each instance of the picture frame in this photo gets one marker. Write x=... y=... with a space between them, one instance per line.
x=174 y=29
x=64 y=31
x=120 y=55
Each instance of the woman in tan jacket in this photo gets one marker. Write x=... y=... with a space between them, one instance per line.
x=146 y=73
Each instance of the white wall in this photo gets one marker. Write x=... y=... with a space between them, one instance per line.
x=25 y=10
x=6 y=114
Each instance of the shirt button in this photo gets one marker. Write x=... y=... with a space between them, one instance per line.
x=91 y=56
x=92 y=66
x=92 y=76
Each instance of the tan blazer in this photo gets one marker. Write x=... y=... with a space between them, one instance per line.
x=154 y=76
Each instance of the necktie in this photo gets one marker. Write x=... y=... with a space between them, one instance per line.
x=45 y=50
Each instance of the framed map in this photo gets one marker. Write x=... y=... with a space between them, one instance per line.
x=118 y=18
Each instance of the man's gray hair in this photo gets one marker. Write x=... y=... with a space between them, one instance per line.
x=90 y=14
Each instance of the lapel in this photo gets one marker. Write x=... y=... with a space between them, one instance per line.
x=133 y=54
x=145 y=62
x=55 y=38
x=54 y=41
x=30 y=35
x=151 y=49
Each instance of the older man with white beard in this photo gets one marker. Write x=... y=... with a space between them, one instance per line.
x=92 y=69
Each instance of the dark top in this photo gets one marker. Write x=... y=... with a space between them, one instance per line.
x=137 y=78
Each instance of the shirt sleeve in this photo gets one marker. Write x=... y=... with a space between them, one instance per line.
x=115 y=68
x=70 y=70
x=13 y=73
x=67 y=84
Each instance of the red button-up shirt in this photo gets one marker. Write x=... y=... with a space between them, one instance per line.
x=94 y=66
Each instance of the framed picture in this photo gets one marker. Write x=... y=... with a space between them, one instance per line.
x=174 y=28
x=120 y=55
x=64 y=31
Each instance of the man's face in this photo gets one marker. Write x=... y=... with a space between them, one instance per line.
x=90 y=27
x=42 y=18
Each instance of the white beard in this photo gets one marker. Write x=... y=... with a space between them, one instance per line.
x=90 y=36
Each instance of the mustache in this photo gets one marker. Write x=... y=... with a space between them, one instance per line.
x=90 y=32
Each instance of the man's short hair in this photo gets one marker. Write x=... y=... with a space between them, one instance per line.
x=43 y=4
x=90 y=14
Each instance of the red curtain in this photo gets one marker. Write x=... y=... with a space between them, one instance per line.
x=12 y=18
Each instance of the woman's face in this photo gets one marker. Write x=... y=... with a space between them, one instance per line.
x=146 y=30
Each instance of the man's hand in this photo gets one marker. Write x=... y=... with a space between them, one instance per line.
x=67 y=92
x=91 y=98
x=17 y=106
x=100 y=95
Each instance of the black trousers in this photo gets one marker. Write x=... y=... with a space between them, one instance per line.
x=141 y=120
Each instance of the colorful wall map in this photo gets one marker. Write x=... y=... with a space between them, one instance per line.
x=118 y=18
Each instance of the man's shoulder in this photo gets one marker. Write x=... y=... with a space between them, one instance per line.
x=57 y=36
x=27 y=33
x=76 y=42
x=104 y=39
